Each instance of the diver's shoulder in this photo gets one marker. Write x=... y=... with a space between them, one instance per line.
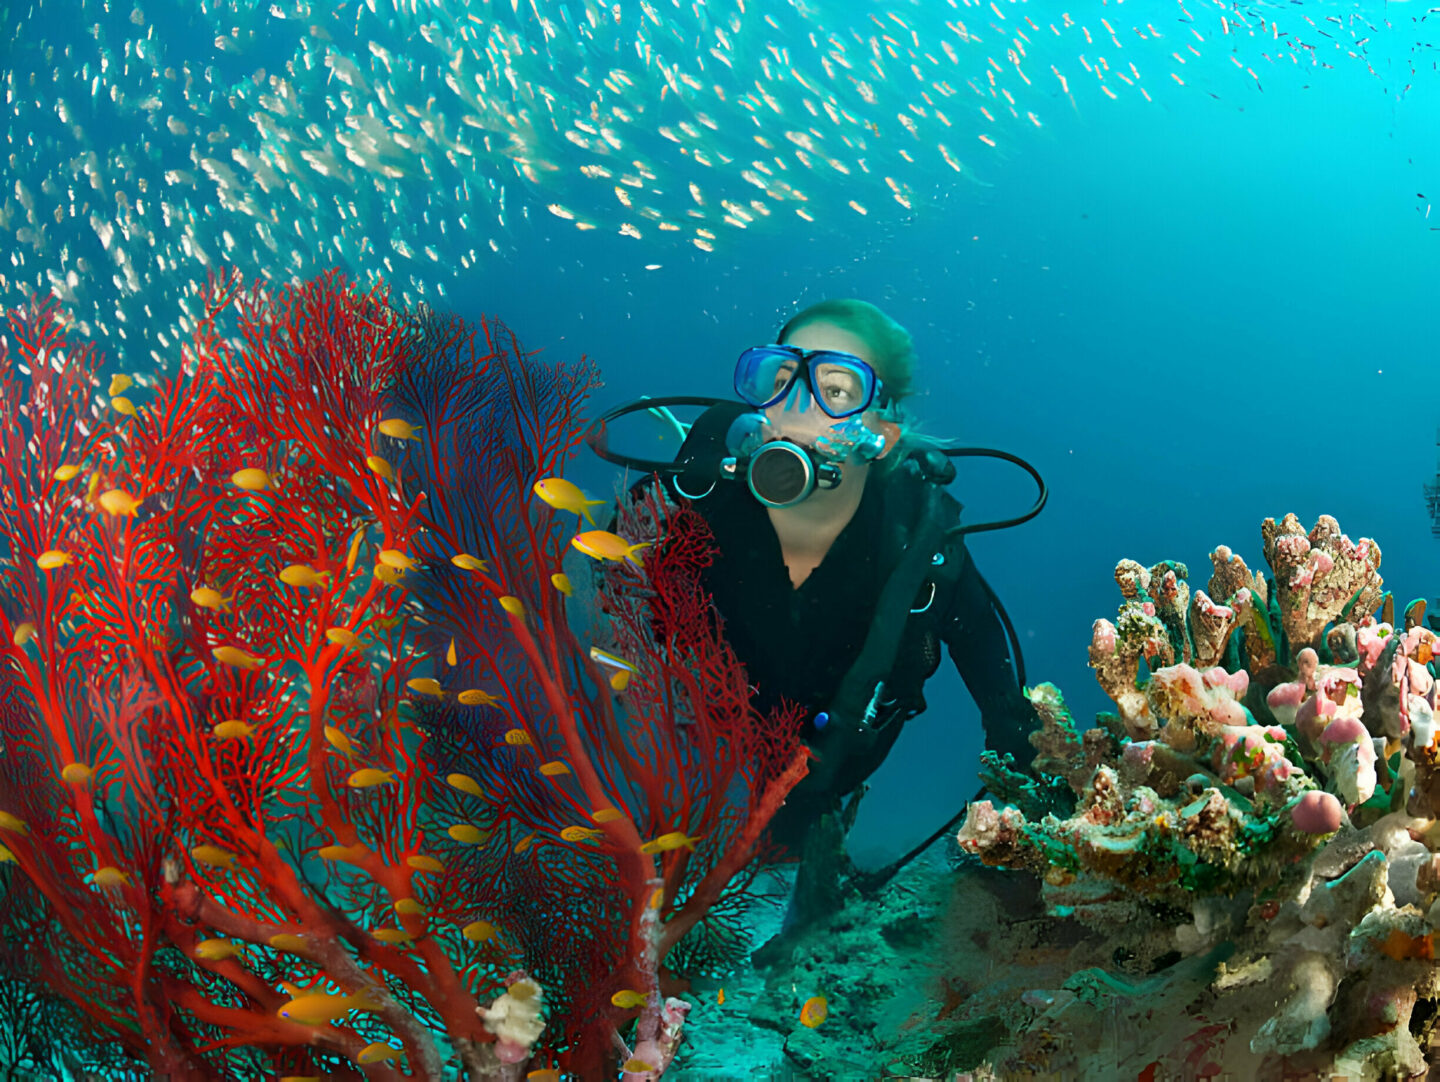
x=911 y=479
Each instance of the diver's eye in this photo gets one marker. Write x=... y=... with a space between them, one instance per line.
x=840 y=388
x=783 y=375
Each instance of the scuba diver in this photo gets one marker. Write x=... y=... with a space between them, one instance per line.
x=841 y=566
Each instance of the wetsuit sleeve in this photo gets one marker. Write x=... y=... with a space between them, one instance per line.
x=976 y=639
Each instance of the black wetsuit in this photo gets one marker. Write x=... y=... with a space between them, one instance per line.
x=798 y=643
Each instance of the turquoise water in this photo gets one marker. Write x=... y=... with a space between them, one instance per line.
x=1192 y=308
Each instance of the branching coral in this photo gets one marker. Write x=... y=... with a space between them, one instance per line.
x=1268 y=784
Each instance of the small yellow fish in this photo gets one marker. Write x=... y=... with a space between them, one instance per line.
x=409 y=907
x=479 y=931
x=397 y=429
x=476 y=697
x=50 y=559
x=607 y=815
x=604 y=545
x=232 y=730
x=468 y=834
x=7 y=857
x=77 y=774
x=251 y=480
x=209 y=598
x=544 y=1074
x=300 y=1078
x=119 y=384
x=214 y=856
x=421 y=863
x=580 y=834
x=463 y=782
x=234 y=656
x=720 y=997
x=561 y=582
x=304 y=575
x=354 y=551
x=554 y=769
x=66 y=473
x=388 y=575
x=666 y=842
x=565 y=495
x=217 y=950
x=513 y=605
x=378 y=1053
x=815 y=1011
x=24 y=632
x=620 y=680
x=450 y=656
x=289 y=941
x=318 y=1008
x=394 y=936
x=13 y=824
x=636 y=1065
x=368 y=777
x=466 y=562
x=121 y=404
x=343 y=637
x=117 y=502
x=425 y=685
x=109 y=877
x=339 y=741
x=525 y=842
x=517 y=737
x=625 y=999
x=380 y=467
x=397 y=559
x=344 y=854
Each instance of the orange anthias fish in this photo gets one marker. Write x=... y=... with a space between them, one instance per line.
x=676 y=839
x=118 y=502
x=319 y=1008
x=814 y=1011
x=565 y=495
x=604 y=545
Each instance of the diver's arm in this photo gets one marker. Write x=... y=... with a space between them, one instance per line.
x=978 y=645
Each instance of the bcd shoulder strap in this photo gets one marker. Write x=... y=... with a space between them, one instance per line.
x=916 y=519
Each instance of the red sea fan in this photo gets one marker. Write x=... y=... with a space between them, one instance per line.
x=291 y=700
x=621 y=819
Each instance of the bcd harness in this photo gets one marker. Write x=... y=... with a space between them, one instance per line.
x=864 y=714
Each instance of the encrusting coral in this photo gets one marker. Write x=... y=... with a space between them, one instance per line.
x=1253 y=843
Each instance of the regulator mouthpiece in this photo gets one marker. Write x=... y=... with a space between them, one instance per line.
x=781 y=472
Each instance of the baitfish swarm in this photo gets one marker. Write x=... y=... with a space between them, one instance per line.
x=149 y=144
x=1253 y=829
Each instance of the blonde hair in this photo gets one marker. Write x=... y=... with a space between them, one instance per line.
x=889 y=343
x=893 y=351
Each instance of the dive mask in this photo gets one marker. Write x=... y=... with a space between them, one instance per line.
x=840 y=383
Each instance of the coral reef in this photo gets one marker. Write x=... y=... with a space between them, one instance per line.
x=1252 y=864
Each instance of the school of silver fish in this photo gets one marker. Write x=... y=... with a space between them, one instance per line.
x=422 y=139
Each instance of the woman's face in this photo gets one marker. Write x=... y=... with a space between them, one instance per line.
x=797 y=416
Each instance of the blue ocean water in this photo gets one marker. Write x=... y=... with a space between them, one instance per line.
x=1188 y=316
x=1190 y=311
